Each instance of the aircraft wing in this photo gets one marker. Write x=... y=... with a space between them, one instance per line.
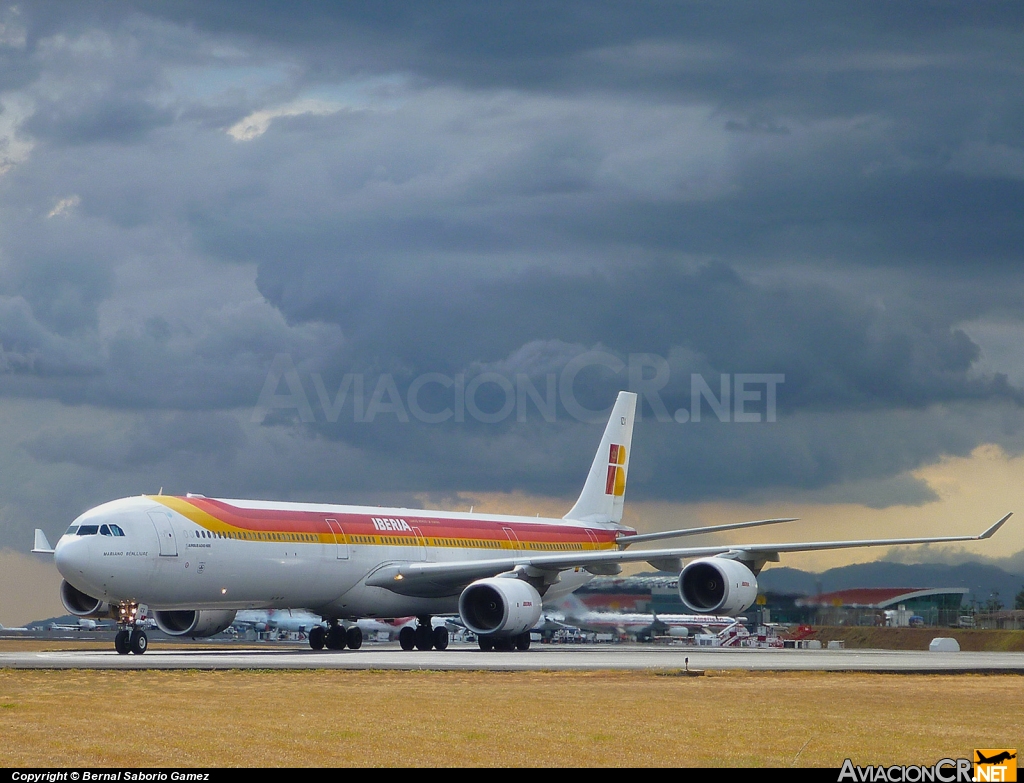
x=638 y=538
x=443 y=579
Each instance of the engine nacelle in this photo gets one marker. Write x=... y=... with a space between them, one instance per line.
x=80 y=604
x=192 y=622
x=717 y=584
x=500 y=606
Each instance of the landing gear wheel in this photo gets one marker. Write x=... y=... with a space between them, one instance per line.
x=523 y=641
x=336 y=637
x=354 y=637
x=440 y=638
x=139 y=642
x=424 y=637
x=317 y=637
x=504 y=644
x=121 y=642
x=407 y=638
x=486 y=643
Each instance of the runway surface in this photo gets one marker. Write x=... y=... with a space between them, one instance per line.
x=551 y=658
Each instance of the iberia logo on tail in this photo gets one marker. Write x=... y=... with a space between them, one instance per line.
x=616 y=481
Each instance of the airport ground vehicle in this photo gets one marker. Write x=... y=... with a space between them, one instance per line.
x=194 y=561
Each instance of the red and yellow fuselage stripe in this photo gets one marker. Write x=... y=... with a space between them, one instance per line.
x=307 y=526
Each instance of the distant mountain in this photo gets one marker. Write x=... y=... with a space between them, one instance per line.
x=980 y=578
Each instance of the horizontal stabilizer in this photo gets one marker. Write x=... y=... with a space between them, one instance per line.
x=42 y=546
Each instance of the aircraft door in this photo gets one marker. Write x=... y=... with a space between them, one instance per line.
x=165 y=533
x=340 y=539
x=511 y=535
x=425 y=552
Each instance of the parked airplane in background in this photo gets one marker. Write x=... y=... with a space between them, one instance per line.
x=83 y=624
x=642 y=625
x=276 y=620
x=298 y=621
x=195 y=561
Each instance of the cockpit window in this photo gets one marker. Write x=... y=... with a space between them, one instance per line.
x=88 y=530
x=72 y=530
x=117 y=530
x=105 y=530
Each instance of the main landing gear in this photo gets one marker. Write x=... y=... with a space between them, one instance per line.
x=129 y=637
x=504 y=643
x=335 y=637
x=423 y=636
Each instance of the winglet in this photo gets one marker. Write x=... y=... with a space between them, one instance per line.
x=42 y=546
x=988 y=533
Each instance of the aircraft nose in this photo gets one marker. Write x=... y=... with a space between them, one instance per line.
x=71 y=556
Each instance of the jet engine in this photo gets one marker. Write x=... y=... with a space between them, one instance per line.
x=192 y=622
x=500 y=606
x=80 y=604
x=717 y=584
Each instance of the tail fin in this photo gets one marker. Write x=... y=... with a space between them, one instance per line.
x=603 y=494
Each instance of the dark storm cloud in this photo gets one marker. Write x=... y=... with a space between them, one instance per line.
x=160 y=439
x=752 y=48
x=110 y=118
x=822 y=191
x=837 y=351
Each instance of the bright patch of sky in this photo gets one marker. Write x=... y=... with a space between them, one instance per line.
x=1000 y=343
x=14 y=146
x=324 y=100
x=203 y=83
x=64 y=206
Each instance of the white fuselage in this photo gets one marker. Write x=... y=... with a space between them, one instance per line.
x=197 y=553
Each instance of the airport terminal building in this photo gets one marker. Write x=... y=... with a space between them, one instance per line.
x=941 y=607
x=887 y=606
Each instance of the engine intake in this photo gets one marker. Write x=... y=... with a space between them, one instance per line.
x=717 y=584
x=500 y=606
x=193 y=622
x=80 y=604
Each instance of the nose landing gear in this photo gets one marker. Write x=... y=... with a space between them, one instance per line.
x=129 y=637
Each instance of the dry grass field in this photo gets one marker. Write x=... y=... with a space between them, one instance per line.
x=378 y=718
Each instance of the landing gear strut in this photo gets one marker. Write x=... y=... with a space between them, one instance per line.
x=423 y=636
x=335 y=636
x=129 y=637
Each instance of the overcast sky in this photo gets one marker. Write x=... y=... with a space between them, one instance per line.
x=189 y=192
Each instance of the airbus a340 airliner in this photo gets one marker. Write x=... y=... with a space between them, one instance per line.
x=194 y=561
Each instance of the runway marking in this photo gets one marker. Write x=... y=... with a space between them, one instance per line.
x=622 y=657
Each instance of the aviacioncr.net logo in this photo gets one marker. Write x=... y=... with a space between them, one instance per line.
x=943 y=771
